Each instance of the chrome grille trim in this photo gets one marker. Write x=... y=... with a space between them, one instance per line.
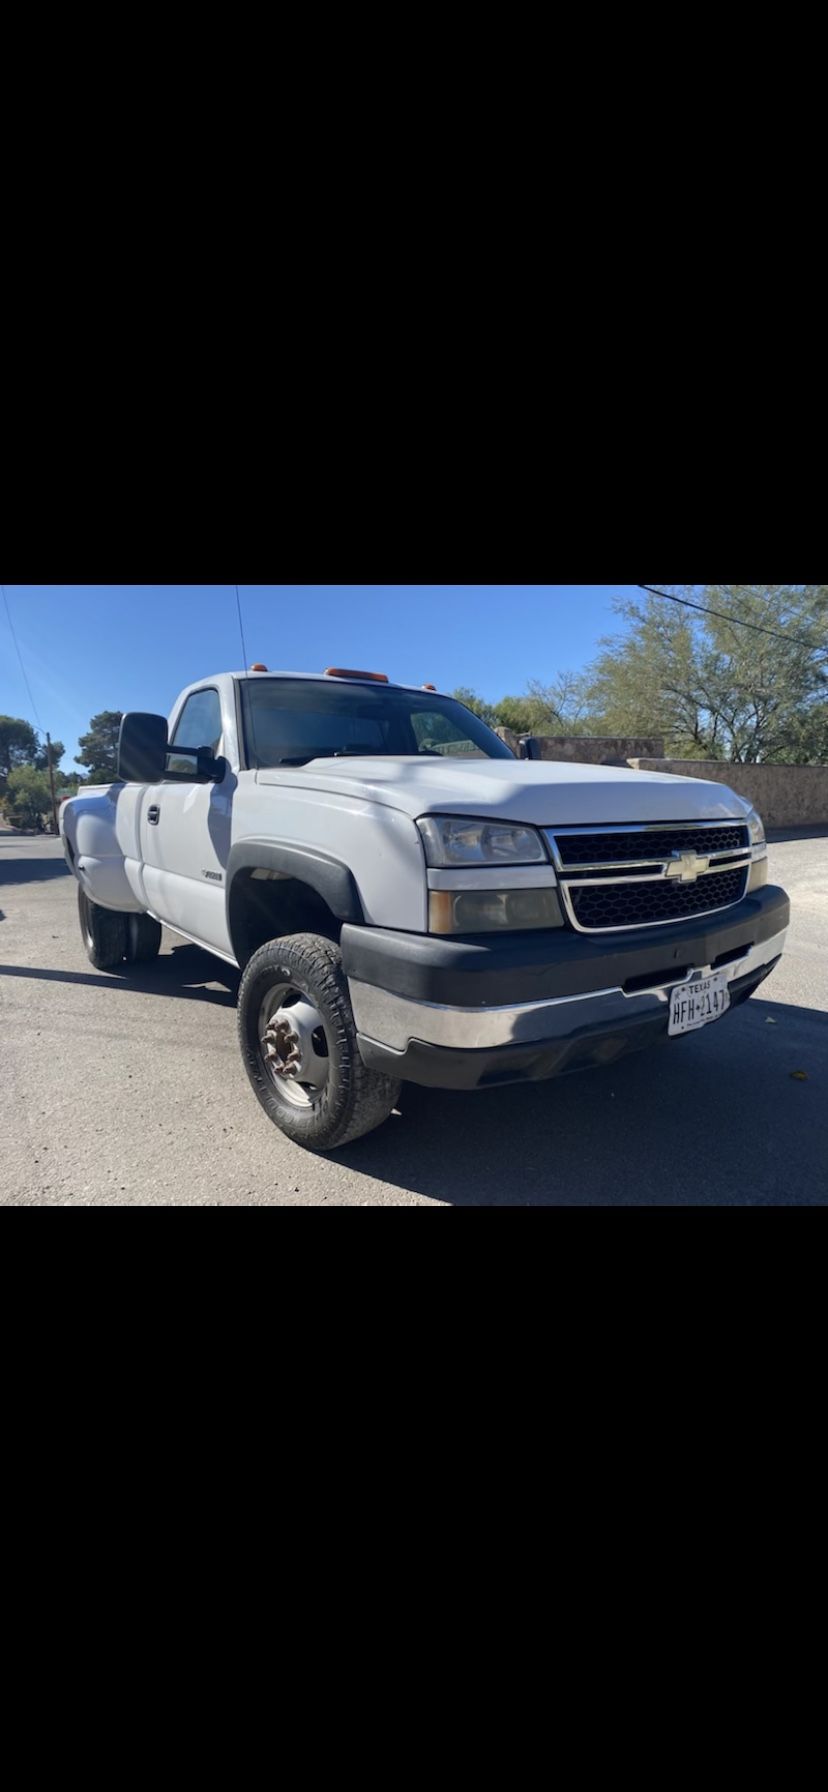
x=648 y=868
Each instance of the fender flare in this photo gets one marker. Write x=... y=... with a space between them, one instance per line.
x=331 y=880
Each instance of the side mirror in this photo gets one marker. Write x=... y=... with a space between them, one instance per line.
x=208 y=766
x=195 y=765
x=142 y=749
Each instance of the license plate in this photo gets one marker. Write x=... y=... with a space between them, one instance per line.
x=695 y=1005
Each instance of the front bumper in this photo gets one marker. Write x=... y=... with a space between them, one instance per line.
x=467 y=1014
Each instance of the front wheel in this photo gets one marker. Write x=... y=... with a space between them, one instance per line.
x=299 y=1045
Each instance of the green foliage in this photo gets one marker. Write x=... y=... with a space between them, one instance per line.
x=477 y=705
x=560 y=707
x=28 y=797
x=514 y=713
x=99 y=747
x=41 y=757
x=715 y=689
x=18 y=745
x=67 y=780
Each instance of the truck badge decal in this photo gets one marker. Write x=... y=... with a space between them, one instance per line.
x=214 y=876
x=688 y=866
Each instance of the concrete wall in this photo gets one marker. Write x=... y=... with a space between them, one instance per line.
x=785 y=795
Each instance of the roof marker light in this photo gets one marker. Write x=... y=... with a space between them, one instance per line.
x=343 y=672
x=258 y=667
x=429 y=687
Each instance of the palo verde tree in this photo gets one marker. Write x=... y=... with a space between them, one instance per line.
x=716 y=688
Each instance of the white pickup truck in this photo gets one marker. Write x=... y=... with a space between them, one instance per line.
x=406 y=900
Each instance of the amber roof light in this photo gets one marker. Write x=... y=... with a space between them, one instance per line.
x=345 y=672
x=258 y=667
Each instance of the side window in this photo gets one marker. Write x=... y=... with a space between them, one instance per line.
x=442 y=734
x=199 y=725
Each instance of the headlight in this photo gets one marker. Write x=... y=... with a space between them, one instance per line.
x=451 y=842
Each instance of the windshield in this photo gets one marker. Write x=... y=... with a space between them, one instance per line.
x=290 y=721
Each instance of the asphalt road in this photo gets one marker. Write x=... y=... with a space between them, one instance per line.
x=130 y=1089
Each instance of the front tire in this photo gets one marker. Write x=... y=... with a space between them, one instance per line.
x=104 y=933
x=298 y=1042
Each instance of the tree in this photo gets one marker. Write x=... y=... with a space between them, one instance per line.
x=564 y=704
x=715 y=688
x=520 y=714
x=99 y=748
x=41 y=757
x=558 y=708
x=68 y=780
x=28 y=797
x=477 y=705
x=18 y=745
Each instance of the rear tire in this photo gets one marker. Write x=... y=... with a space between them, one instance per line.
x=299 y=1045
x=104 y=933
x=143 y=938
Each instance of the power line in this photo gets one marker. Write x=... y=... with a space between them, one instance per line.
x=737 y=621
x=241 y=628
x=20 y=657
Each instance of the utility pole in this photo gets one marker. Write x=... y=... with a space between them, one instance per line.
x=52 y=779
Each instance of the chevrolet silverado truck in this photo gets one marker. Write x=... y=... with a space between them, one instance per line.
x=408 y=901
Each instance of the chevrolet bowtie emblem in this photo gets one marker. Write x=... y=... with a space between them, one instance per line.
x=688 y=866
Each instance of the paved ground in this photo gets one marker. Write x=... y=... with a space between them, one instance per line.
x=131 y=1089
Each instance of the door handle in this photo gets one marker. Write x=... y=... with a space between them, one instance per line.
x=153 y=815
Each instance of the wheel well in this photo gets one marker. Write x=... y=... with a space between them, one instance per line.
x=266 y=905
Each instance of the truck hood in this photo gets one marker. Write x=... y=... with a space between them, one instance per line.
x=544 y=794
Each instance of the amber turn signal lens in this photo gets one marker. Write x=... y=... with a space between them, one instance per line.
x=758 y=875
x=487 y=911
x=441 y=911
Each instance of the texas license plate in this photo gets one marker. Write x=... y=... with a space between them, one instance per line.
x=695 y=1005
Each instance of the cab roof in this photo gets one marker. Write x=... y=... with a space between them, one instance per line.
x=318 y=678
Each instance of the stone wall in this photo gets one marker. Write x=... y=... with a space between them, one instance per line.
x=785 y=795
x=588 y=749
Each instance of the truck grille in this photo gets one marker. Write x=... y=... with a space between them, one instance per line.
x=657 y=843
x=612 y=878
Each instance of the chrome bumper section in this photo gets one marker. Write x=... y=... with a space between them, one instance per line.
x=394 y=1021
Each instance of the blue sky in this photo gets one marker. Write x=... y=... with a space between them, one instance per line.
x=92 y=647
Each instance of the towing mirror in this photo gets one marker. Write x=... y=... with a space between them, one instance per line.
x=142 y=749
x=195 y=765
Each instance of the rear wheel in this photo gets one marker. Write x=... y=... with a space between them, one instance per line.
x=104 y=933
x=299 y=1045
x=143 y=938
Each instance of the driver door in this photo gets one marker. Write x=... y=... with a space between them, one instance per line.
x=185 y=831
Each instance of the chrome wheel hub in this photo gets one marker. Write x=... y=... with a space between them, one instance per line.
x=294 y=1046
